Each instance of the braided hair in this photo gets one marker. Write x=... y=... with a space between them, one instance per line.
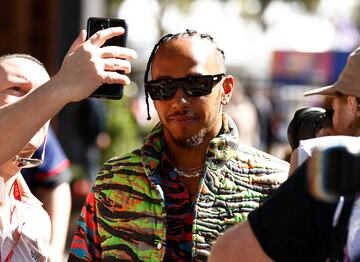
x=167 y=38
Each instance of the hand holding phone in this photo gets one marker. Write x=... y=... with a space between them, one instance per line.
x=94 y=24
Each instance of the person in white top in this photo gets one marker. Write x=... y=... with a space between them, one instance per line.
x=24 y=225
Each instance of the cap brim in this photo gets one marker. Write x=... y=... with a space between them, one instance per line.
x=327 y=90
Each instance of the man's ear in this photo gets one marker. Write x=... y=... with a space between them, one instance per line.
x=228 y=87
x=353 y=104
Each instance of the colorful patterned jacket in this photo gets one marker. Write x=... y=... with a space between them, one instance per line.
x=124 y=216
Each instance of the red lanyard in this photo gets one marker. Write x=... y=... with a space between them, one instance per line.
x=11 y=253
x=16 y=192
x=17 y=196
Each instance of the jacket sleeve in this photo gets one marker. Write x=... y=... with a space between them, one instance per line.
x=86 y=242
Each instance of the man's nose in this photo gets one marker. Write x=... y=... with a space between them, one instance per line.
x=180 y=96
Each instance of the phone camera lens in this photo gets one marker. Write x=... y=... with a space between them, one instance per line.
x=103 y=25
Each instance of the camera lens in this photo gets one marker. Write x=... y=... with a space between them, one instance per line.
x=103 y=25
x=306 y=123
x=97 y=26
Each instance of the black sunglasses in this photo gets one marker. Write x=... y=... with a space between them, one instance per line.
x=31 y=162
x=192 y=86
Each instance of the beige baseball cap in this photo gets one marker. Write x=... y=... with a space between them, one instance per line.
x=348 y=82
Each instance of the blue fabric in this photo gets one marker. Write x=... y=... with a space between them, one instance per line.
x=54 y=169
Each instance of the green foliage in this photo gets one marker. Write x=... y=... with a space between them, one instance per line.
x=112 y=6
x=122 y=127
x=183 y=5
x=308 y=5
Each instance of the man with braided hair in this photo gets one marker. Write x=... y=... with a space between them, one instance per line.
x=191 y=180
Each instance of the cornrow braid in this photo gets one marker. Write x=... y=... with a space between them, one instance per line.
x=165 y=39
x=148 y=66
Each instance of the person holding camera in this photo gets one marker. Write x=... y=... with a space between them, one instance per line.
x=191 y=180
x=295 y=224
x=28 y=99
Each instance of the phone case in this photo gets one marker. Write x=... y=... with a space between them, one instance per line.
x=94 y=24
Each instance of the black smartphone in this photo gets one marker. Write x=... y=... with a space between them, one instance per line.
x=94 y=24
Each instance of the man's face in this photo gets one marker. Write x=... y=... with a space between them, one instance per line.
x=188 y=121
x=343 y=116
x=19 y=76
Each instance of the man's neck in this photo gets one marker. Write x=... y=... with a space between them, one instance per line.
x=5 y=188
x=9 y=172
x=9 y=183
x=184 y=158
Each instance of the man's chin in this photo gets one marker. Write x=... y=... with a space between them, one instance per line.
x=190 y=142
x=183 y=144
x=9 y=169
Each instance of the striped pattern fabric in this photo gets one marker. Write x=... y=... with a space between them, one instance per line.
x=179 y=213
x=124 y=217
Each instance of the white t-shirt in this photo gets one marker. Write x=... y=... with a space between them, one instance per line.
x=306 y=147
x=24 y=225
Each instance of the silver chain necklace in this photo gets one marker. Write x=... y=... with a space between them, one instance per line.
x=191 y=172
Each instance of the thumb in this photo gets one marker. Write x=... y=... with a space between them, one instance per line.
x=78 y=42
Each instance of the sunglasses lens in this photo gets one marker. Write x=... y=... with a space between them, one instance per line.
x=192 y=86
x=199 y=86
x=36 y=160
x=29 y=162
x=160 y=91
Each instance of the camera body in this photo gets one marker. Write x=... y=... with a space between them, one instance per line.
x=334 y=171
x=306 y=123
x=94 y=24
x=334 y=165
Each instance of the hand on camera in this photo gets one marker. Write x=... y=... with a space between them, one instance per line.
x=87 y=65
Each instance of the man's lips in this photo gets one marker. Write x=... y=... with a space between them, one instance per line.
x=182 y=119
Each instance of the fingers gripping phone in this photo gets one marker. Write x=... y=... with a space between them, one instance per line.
x=94 y=24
